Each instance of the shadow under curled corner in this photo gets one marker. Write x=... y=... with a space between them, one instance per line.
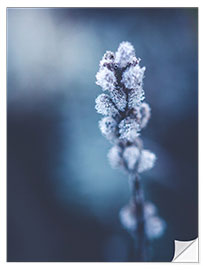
x=186 y=251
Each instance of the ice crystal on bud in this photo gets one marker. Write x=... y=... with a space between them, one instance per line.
x=107 y=60
x=107 y=126
x=145 y=113
x=114 y=156
x=133 y=77
x=135 y=97
x=105 y=106
x=119 y=98
x=106 y=79
x=131 y=155
x=124 y=55
x=129 y=129
x=147 y=161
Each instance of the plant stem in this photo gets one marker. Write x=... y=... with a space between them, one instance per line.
x=138 y=205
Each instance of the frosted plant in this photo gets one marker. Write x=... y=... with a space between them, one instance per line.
x=107 y=126
x=105 y=106
x=154 y=225
x=126 y=114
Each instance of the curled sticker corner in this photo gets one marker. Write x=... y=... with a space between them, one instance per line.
x=186 y=251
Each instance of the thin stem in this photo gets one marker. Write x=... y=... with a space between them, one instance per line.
x=138 y=204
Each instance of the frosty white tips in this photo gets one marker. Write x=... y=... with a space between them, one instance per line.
x=154 y=225
x=126 y=114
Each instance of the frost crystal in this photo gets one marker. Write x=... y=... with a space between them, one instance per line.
x=131 y=155
x=128 y=129
x=114 y=156
x=107 y=60
x=147 y=161
x=119 y=98
x=135 y=98
x=124 y=55
x=105 y=106
x=106 y=79
x=107 y=126
x=133 y=77
x=145 y=113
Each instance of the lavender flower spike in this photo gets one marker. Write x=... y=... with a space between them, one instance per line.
x=121 y=75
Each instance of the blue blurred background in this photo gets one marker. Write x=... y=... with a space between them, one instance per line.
x=63 y=196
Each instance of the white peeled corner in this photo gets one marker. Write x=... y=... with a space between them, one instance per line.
x=186 y=251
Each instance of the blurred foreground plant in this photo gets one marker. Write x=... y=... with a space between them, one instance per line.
x=125 y=116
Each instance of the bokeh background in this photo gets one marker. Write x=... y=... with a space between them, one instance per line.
x=63 y=196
